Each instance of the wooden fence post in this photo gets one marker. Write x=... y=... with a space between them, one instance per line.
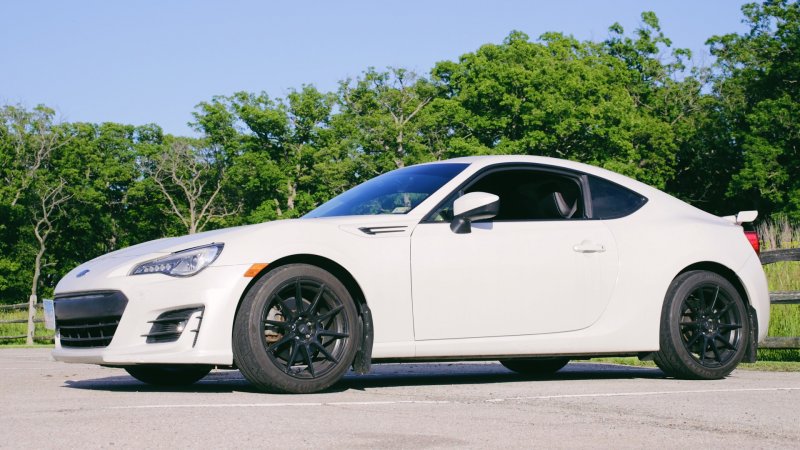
x=31 y=318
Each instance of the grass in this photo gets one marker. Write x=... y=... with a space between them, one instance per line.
x=624 y=360
x=50 y=345
x=762 y=365
x=16 y=329
x=781 y=276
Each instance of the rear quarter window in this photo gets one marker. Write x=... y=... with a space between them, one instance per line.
x=612 y=201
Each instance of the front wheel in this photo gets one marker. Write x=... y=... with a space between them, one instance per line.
x=297 y=330
x=177 y=375
x=704 y=327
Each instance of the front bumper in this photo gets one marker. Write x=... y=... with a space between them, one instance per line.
x=214 y=295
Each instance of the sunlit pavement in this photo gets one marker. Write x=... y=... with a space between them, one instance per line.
x=57 y=405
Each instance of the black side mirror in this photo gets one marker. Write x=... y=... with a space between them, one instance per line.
x=473 y=206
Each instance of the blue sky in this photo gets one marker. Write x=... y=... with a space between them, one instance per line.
x=153 y=61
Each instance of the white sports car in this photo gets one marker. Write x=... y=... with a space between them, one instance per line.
x=528 y=260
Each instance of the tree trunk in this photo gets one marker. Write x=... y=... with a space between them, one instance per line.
x=292 y=195
x=193 y=219
x=399 y=151
x=34 y=299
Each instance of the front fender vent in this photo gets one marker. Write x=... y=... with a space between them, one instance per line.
x=383 y=230
x=170 y=325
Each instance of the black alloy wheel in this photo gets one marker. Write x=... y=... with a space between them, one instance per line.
x=305 y=328
x=704 y=327
x=710 y=326
x=297 y=330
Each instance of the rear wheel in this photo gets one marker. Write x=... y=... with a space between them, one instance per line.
x=159 y=375
x=296 y=331
x=704 y=327
x=536 y=367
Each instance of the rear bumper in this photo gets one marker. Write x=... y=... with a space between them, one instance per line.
x=755 y=285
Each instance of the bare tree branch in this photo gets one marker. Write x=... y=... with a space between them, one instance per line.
x=34 y=140
x=184 y=174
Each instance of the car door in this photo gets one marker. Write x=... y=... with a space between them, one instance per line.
x=540 y=266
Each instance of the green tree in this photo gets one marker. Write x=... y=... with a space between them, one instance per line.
x=759 y=94
x=593 y=102
x=285 y=158
x=100 y=165
x=190 y=175
x=48 y=198
x=28 y=140
x=382 y=113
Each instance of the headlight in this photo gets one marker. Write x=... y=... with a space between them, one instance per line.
x=184 y=263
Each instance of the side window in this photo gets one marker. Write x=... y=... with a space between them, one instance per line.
x=527 y=195
x=612 y=201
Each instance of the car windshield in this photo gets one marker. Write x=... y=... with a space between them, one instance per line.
x=395 y=192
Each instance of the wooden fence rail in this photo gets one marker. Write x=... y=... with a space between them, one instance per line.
x=22 y=306
x=784 y=254
x=13 y=307
x=781 y=298
x=785 y=298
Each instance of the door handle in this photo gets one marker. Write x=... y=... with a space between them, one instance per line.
x=589 y=247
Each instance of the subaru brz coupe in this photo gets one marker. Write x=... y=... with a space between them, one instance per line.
x=531 y=261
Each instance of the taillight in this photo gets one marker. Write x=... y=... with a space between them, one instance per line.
x=752 y=236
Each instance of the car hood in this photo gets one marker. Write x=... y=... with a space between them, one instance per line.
x=171 y=244
x=272 y=229
x=239 y=243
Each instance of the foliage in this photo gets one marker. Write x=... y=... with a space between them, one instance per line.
x=759 y=98
x=600 y=103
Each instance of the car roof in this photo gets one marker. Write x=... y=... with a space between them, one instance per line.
x=478 y=162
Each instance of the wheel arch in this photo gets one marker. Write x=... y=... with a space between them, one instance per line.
x=730 y=275
x=362 y=361
x=722 y=270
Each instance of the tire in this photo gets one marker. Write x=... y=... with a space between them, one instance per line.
x=168 y=375
x=535 y=367
x=284 y=346
x=704 y=327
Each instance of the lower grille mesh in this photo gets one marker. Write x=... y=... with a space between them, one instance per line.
x=88 y=333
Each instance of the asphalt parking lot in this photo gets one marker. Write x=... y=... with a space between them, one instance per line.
x=477 y=405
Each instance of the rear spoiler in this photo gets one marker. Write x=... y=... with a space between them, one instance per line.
x=742 y=217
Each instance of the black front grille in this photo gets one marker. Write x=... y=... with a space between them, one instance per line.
x=88 y=319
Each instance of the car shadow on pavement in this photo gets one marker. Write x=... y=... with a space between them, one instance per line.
x=387 y=375
x=219 y=381
x=483 y=373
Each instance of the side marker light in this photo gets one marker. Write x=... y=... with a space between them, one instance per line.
x=255 y=269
